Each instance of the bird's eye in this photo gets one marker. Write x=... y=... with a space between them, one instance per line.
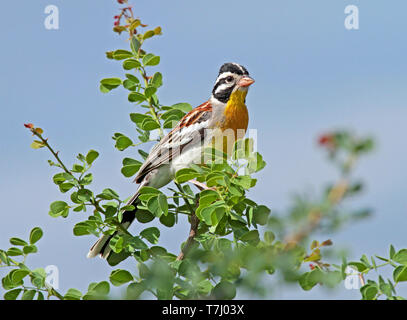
x=229 y=79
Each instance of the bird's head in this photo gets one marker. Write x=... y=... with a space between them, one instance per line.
x=232 y=77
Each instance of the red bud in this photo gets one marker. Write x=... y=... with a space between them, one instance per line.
x=327 y=140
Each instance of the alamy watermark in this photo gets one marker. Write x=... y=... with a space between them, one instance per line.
x=52 y=278
x=352 y=18
x=51 y=21
x=352 y=280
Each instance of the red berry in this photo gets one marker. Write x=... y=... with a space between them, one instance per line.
x=327 y=140
x=28 y=125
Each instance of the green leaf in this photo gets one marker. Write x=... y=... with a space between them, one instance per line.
x=269 y=237
x=119 y=277
x=149 y=124
x=134 y=290
x=252 y=235
x=149 y=91
x=130 y=85
x=361 y=267
x=77 y=168
x=30 y=249
x=256 y=162
x=109 y=83
x=17 y=242
x=207 y=197
x=138 y=118
x=86 y=180
x=392 y=252
x=73 y=294
x=36 y=144
x=135 y=45
x=205 y=213
x=121 y=54
x=168 y=220
x=309 y=279
x=143 y=154
x=65 y=187
x=28 y=295
x=81 y=228
x=12 y=294
x=185 y=175
x=144 y=216
x=91 y=156
x=136 y=97
x=245 y=182
x=400 y=274
x=84 y=195
x=4 y=258
x=38 y=277
x=148 y=34
x=131 y=64
x=260 y=215
x=18 y=275
x=151 y=234
x=116 y=243
x=130 y=167
x=369 y=291
x=13 y=252
x=157 y=80
x=132 y=78
x=151 y=60
x=154 y=206
x=163 y=204
x=97 y=291
x=184 y=107
x=401 y=257
x=224 y=290
x=59 y=208
x=146 y=193
x=173 y=114
x=123 y=143
x=108 y=194
x=137 y=243
x=62 y=177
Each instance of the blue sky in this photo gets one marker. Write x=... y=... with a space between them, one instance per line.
x=312 y=75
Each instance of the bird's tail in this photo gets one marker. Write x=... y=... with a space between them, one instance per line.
x=101 y=247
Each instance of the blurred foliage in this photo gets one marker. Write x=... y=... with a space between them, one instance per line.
x=234 y=245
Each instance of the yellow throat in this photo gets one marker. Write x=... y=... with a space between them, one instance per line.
x=236 y=114
x=236 y=120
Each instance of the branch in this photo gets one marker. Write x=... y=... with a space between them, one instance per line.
x=192 y=233
x=315 y=216
x=194 y=221
x=37 y=132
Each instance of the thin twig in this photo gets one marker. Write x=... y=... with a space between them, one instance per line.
x=45 y=142
x=362 y=279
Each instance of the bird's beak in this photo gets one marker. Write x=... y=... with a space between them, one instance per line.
x=245 y=82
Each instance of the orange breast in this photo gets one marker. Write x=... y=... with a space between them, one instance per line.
x=236 y=120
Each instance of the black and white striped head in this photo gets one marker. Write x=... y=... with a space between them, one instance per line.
x=232 y=77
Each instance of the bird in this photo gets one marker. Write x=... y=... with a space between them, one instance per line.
x=224 y=114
